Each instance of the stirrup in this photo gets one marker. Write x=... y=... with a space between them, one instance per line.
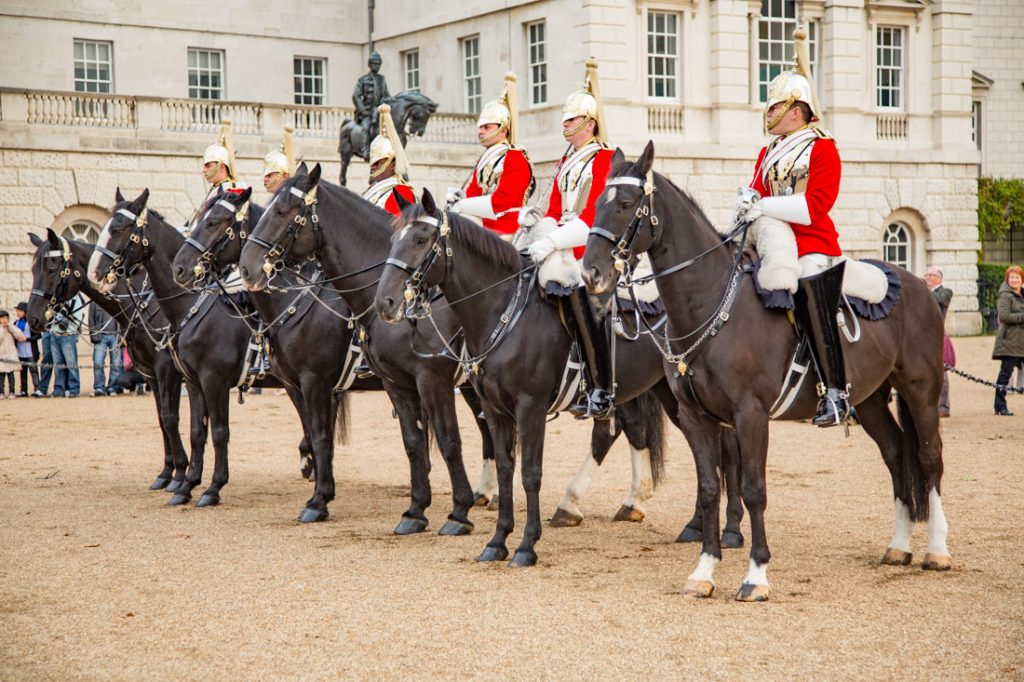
x=597 y=404
x=833 y=408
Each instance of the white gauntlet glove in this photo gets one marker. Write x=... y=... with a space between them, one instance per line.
x=541 y=249
x=530 y=216
x=747 y=209
x=454 y=195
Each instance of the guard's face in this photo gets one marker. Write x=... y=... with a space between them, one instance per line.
x=214 y=172
x=487 y=131
x=271 y=181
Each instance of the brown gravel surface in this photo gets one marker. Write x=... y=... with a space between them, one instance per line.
x=100 y=579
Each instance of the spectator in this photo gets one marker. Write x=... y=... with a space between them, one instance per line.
x=67 y=324
x=45 y=365
x=129 y=379
x=943 y=295
x=10 y=336
x=27 y=352
x=1009 y=347
x=105 y=337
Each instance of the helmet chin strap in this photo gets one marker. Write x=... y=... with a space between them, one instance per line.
x=778 y=117
x=209 y=176
x=573 y=131
x=490 y=139
x=383 y=169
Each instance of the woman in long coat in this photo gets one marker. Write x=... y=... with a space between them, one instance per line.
x=1009 y=348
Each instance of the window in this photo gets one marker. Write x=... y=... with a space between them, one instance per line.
x=82 y=231
x=93 y=66
x=896 y=246
x=976 y=123
x=309 y=80
x=536 y=41
x=471 y=73
x=889 y=67
x=662 y=54
x=776 y=52
x=205 y=74
x=411 y=60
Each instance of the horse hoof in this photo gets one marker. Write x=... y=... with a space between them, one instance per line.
x=410 y=526
x=312 y=515
x=523 y=559
x=453 y=527
x=896 y=557
x=937 y=562
x=732 y=540
x=208 y=500
x=690 y=535
x=748 y=592
x=564 y=519
x=493 y=504
x=698 y=589
x=173 y=486
x=481 y=500
x=179 y=499
x=627 y=513
x=160 y=483
x=492 y=553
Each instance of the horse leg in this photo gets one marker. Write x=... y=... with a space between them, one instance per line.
x=346 y=159
x=503 y=431
x=703 y=437
x=486 y=490
x=316 y=397
x=417 y=449
x=163 y=479
x=752 y=433
x=568 y=513
x=732 y=537
x=306 y=461
x=198 y=426
x=530 y=418
x=645 y=431
x=220 y=432
x=439 y=404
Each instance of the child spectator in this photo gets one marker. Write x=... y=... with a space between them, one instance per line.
x=10 y=336
x=26 y=353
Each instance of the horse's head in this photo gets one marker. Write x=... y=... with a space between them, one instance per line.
x=413 y=265
x=414 y=113
x=122 y=243
x=56 y=277
x=286 y=234
x=216 y=240
x=624 y=226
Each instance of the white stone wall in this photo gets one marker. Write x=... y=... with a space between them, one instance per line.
x=999 y=55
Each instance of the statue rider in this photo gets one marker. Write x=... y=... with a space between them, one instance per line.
x=371 y=90
x=796 y=181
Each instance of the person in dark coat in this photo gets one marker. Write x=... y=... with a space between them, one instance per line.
x=943 y=296
x=1009 y=346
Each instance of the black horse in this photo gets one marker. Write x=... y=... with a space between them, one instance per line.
x=508 y=327
x=735 y=376
x=58 y=275
x=305 y=325
x=410 y=110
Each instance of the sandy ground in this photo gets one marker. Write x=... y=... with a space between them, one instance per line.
x=100 y=579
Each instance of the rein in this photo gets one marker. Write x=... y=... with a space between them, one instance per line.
x=208 y=255
x=137 y=236
x=58 y=295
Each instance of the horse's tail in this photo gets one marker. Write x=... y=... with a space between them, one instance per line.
x=342 y=418
x=652 y=421
x=914 y=482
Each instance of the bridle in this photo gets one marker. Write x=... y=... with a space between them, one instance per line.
x=416 y=292
x=273 y=260
x=622 y=253
x=137 y=236
x=209 y=255
x=58 y=295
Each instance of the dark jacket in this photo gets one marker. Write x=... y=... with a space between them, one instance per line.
x=100 y=322
x=1010 y=335
x=943 y=295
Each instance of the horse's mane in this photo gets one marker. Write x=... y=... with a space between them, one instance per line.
x=365 y=212
x=632 y=168
x=481 y=241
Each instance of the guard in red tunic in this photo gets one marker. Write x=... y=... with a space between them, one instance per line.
x=389 y=168
x=503 y=179
x=579 y=180
x=796 y=180
x=219 y=171
x=279 y=164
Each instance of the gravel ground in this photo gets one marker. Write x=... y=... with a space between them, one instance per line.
x=99 y=579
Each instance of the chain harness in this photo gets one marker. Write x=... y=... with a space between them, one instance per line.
x=273 y=261
x=58 y=295
x=137 y=237
x=208 y=255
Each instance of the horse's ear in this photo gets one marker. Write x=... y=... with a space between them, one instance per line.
x=36 y=240
x=314 y=177
x=301 y=169
x=428 y=202
x=118 y=197
x=402 y=202
x=52 y=237
x=618 y=157
x=140 y=202
x=646 y=159
x=246 y=193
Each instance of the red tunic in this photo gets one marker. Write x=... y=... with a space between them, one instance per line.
x=510 y=194
x=391 y=206
x=824 y=173
x=597 y=168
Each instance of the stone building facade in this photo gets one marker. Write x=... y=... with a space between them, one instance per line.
x=900 y=82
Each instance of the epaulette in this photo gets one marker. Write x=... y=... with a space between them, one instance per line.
x=822 y=133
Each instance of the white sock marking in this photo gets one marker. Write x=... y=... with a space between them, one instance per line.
x=937 y=526
x=904 y=528
x=578 y=486
x=705 y=569
x=488 y=486
x=756 y=575
x=642 y=487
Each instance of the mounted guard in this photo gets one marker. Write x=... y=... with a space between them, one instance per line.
x=502 y=180
x=279 y=164
x=579 y=180
x=218 y=170
x=796 y=181
x=389 y=167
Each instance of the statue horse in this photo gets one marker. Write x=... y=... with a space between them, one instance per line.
x=508 y=327
x=410 y=111
x=58 y=275
x=733 y=376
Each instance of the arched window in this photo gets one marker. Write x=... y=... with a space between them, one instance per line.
x=897 y=246
x=82 y=230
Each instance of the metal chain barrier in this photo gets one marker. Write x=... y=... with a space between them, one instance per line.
x=979 y=380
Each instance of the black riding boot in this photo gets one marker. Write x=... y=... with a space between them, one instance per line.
x=594 y=344
x=816 y=302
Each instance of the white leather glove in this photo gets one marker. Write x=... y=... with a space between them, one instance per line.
x=530 y=216
x=541 y=249
x=454 y=194
x=746 y=201
x=480 y=207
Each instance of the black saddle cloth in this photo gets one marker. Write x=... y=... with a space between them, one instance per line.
x=783 y=300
